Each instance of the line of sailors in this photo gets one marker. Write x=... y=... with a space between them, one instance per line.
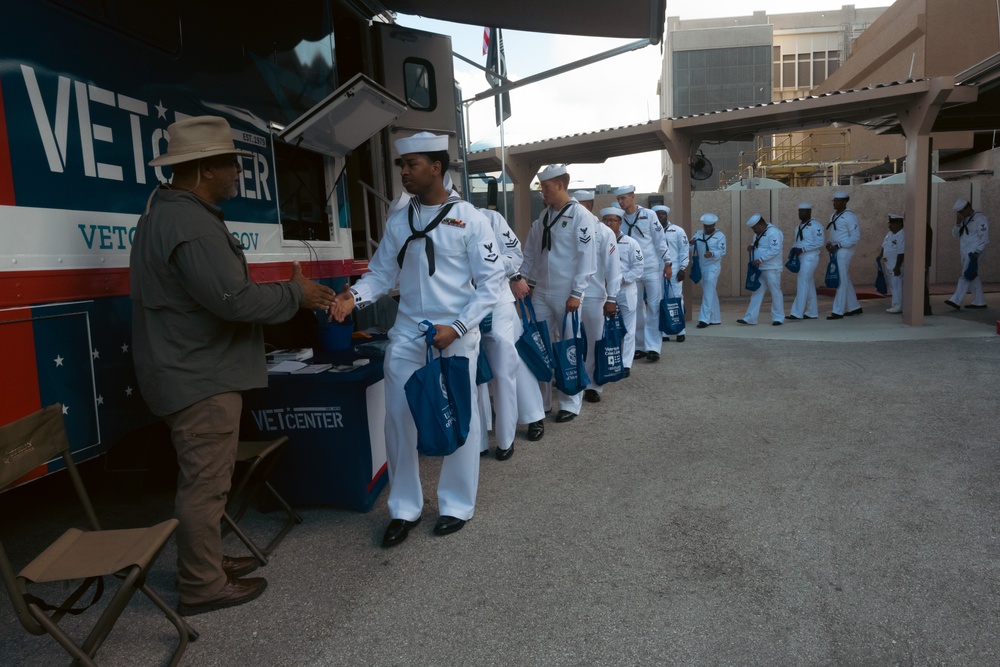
x=463 y=270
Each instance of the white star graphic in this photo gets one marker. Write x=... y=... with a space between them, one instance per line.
x=58 y=360
x=95 y=354
x=65 y=409
x=128 y=391
x=161 y=111
x=100 y=400
x=124 y=348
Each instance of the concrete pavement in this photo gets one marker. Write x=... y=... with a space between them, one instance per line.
x=820 y=493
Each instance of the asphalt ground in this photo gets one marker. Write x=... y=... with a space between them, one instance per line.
x=820 y=493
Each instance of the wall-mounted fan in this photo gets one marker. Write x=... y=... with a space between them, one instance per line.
x=701 y=168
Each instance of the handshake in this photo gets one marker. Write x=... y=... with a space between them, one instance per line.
x=343 y=304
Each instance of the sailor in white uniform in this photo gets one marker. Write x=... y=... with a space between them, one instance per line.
x=843 y=240
x=442 y=254
x=560 y=255
x=643 y=226
x=972 y=229
x=891 y=255
x=680 y=256
x=630 y=258
x=809 y=239
x=767 y=256
x=601 y=296
x=513 y=383
x=711 y=247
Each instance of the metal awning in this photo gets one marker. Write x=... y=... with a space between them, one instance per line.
x=596 y=18
x=915 y=104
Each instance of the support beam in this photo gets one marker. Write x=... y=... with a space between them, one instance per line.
x=681 y=147
x=917 y=118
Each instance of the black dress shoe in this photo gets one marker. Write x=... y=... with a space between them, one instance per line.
x=666 y=339
x=397 y=531
x=775 y=324
x=742 y=322
x=565 y=416
x=536 y=430
x=792 y=317
x=834 y=316
x=972 y=305
x=852 y=313
x=238 y=566
x=640 y=354
x=484 y=452
x=702 y=325
x=504 y=454
x=591 y=396
x=806 y=317
x=652 y=356
x=681 y=338
x=446 y=525
x=954 y=305
x=628 y=371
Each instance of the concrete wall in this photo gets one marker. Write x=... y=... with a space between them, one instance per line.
x=871 y=203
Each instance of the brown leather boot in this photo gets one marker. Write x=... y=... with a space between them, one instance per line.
x=235 y=592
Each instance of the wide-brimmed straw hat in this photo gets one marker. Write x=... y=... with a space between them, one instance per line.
x=196 y=138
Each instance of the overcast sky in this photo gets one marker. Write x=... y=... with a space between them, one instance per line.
x=612 y=93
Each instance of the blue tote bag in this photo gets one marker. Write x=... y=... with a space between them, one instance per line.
x=608 y=363
x=880 y=285
x=571 y=376
x=484 y=373
x=671 y=312
x=533 y=345
x=752 y=283
x=696 y=264
x=833 y=272
x=440 y=398
x=794 y=263
x=972 y=270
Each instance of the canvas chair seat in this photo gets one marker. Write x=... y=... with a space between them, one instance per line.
x=80 y=554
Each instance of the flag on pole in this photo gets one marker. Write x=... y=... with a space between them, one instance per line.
x=496 y=62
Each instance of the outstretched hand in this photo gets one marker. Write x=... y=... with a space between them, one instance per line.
x=314 y=295
x=343 y=304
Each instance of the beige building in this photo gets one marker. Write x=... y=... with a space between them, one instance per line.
x=740 y=61
x=916 y=39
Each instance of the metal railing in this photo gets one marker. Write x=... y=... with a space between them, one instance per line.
x=371 y=243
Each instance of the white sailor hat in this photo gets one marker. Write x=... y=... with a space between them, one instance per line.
x=841 y=194
x=960 y=204
x=583 y=195
x=421 y=142
x=709 y=219
x=661 y=207
x=805 y=206
x=612 y=210
x=551 y=171
x=624 y=190
x=895 y=216
x=754 y=219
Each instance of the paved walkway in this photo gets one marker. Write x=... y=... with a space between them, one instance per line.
x=821 y=493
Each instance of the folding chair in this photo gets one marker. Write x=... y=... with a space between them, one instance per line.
x=259 y=459
x=90 y=555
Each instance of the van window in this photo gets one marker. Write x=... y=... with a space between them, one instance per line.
x=302 y=194
x=418 y=80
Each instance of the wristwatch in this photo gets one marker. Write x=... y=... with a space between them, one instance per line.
x=514 y=278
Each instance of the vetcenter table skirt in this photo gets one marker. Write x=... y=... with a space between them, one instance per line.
x=335 y=423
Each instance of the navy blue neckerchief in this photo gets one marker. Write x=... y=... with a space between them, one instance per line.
x=633 y=225
x=834 y=221
x=423 y=234
x=546 y=234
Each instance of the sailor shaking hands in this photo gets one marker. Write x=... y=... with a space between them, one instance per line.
x=443 y=255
